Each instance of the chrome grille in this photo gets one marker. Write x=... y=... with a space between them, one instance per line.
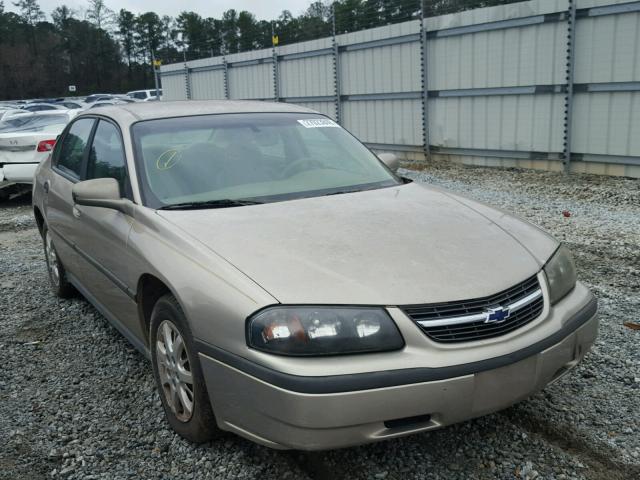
x=465 y=321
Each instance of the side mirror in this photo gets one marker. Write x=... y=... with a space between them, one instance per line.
x=101 y=192
x=390 y=160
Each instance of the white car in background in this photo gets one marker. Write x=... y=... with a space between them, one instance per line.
x=145 y=95
x=26 y=140
x=107 y=103
x=6 y=113
x=42 y=107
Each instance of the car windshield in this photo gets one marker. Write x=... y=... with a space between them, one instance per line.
x=24 y=123
x=262 y=157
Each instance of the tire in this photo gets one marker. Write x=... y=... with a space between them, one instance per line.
x=60 y=286
x=172 y=368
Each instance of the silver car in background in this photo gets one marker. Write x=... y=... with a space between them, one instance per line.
x=288 y=286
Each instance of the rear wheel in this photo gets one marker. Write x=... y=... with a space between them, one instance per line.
x=178 y=375
x=57 y=274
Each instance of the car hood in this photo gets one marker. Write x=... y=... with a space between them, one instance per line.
x=402 y=245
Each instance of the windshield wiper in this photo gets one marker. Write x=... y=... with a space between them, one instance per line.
x=342 y=192
x=222 y=203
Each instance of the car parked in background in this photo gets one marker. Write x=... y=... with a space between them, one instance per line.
x=9 y=112
x=108 y=98
x=288 y=286
x=41 y=107
x=71 y=105
x=145 y=95
x=26 y=140
x=125 y=98
x=97 y=96
x=5 y=105
x=44 y=100
x=105 y=103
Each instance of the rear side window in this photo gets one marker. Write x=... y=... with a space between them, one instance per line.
x=73 y=147
x=106 y=157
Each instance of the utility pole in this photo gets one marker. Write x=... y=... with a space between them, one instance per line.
x=155 y=72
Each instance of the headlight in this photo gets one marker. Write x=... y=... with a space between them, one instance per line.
x=561 y=274
x=306 y=331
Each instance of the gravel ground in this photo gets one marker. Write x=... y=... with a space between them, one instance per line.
x=76 y=401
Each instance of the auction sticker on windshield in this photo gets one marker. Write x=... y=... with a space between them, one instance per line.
x=318 y=123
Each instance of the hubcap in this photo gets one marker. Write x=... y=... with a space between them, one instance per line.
x=52 y=260
x=175 y=371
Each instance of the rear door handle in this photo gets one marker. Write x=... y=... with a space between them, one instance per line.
x=45 y=187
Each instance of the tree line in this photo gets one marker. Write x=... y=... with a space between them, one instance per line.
x=100 y=50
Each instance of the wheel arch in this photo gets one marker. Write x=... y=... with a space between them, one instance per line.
x=149 y=290
x=39 y=219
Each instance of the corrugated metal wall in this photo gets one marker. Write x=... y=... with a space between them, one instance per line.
x=496 y=84
x=608 y=50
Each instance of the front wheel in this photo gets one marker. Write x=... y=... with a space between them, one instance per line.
x=57 y=275
x=178 y=375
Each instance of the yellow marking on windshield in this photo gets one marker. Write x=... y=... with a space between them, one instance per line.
x=171 y=159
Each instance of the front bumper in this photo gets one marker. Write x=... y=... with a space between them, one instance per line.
x=315 y=413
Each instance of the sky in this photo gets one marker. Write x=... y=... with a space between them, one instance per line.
x=262 y=9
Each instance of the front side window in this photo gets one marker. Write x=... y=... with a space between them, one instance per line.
x=263 y=157
x=106 y=156
x=73 y=147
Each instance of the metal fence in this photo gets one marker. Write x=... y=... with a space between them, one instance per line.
x=547 y=84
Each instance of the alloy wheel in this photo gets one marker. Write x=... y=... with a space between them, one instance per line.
x=52 y=260
x=174 y=370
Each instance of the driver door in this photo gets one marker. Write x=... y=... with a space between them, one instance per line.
x=102 y=241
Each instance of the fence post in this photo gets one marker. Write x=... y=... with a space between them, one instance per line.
x=568 y=102
x=425 y=83
x=187 y=81
x=276 y=76
x=336 y=68
x=226 y=78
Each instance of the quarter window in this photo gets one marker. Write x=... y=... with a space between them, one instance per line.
x=73 y=147
x=106 y=157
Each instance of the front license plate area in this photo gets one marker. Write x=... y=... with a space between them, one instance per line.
x=498 y=388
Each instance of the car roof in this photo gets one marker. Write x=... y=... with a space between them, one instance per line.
x=133 y=112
